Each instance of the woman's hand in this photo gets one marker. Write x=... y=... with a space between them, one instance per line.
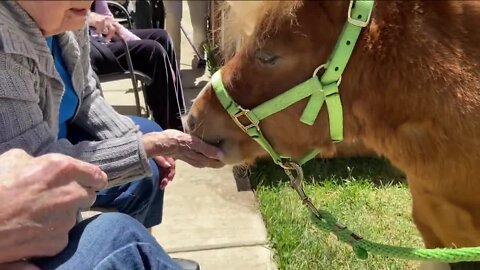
x=103 y=24
x=183 y=146
x=168 y=169
x=39 y=201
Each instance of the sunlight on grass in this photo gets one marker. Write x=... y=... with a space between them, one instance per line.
x=367 y=195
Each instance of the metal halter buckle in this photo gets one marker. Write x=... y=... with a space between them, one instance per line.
x=244 y=112
x=355 y=21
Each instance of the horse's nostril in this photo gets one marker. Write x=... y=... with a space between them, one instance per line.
x=191 y=123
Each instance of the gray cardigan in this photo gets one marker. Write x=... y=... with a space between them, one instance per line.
x=30 y=95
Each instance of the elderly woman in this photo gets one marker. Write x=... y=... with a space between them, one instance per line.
x=47 y=89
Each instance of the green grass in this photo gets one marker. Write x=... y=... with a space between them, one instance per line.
x=368 y=195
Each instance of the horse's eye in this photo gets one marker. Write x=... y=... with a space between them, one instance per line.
x=266 y=57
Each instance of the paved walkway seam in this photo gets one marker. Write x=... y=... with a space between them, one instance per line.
x=221 y=246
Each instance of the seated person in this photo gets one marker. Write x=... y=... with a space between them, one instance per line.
x=152 y=53
x=39 y=201
x=49 y=103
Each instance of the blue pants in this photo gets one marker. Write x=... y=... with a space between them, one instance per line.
x=111 y=241
x=141 y=199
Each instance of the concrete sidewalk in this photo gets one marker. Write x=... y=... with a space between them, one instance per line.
x=208 y=215
x=208 y=219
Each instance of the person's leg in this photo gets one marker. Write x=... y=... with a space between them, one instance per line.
x=163 y=38
x=142 y=16
x=158 y=14
x=107 y=242
x=101 y=59
x=141 y=199
x=173 y=19
x=164 y=95
x=198 y=17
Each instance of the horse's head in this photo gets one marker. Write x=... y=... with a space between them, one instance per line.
x=288 y=42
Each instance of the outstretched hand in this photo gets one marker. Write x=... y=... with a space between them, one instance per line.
x=183 y=146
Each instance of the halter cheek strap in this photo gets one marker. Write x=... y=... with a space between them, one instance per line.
x=359 y=13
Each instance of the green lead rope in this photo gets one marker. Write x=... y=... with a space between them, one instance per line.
x=362 y=247
x=328 y=223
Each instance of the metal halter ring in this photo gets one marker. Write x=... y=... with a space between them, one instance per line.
x=289 y=165
x=318 y=69
x=324 y=66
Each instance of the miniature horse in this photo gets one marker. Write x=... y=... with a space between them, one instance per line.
x=411 y=93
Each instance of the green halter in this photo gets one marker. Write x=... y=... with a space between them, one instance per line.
x=320 y=91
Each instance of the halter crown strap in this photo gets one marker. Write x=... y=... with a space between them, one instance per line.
x=359 y=14
x=323 y=90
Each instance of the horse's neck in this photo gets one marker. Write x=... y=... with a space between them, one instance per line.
x=411 y=64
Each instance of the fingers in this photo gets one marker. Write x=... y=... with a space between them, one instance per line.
x=87 y=175
x=163 y=183
x=189 y=142
x=172 y=171
x=162 y=161
x=110 y=31
x=15 y=158
x=165 y=165
x=69 y=169
x=169 y=172
x=168 y=169
x=106 y=26
x=185 y=147
x=99 y=26
x=17 y=154
x=88 y=199
x=69 y=199
x=200 y=161
x=206 y=149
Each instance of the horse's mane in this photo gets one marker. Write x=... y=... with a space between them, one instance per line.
x=242 y=17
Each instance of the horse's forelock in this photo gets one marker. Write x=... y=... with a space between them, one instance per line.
x=242 y=17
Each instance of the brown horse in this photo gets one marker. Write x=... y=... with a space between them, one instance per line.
x=411 y=92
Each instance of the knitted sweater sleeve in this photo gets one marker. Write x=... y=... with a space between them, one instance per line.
x=24 y=124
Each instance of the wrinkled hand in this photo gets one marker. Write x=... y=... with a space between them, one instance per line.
x=183 y=146
x=103 y=24
x=168 y=169
x=39 y=201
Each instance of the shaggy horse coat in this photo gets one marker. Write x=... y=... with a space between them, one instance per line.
x=411 y=93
